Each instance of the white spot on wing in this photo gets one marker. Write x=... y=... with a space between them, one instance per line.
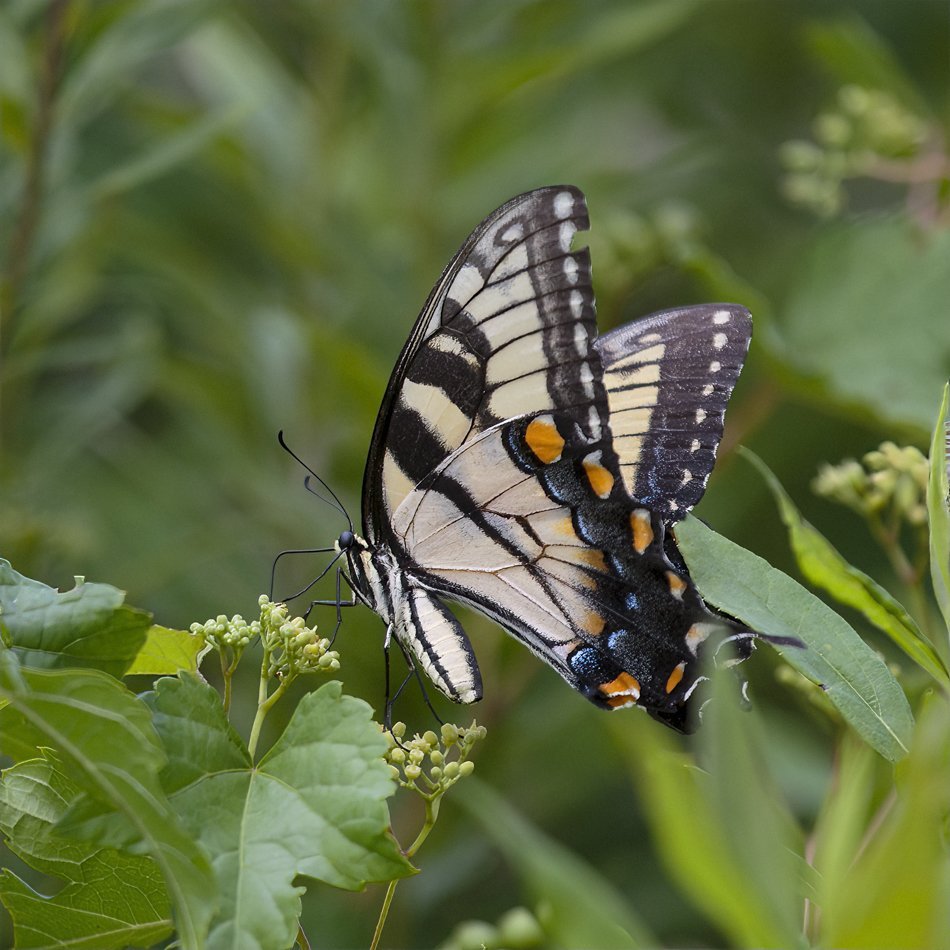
x=570 y=268
x=566 y=235
x=700 y=416
x=514 y=233
x=715 y=366
x=721 y=316
x=564 y=204
x=587 y=380
x=580 y=339
x=577 y=304
x=720 y=340
x=708 y=389
x=593 y=423
x=695 y=445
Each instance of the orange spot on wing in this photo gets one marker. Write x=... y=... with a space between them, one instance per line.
x=622 y=691
x=675 y=677
x=544 y=440
x=601 y=481
x=677 y=584
x=594 y=624
x=642 y=529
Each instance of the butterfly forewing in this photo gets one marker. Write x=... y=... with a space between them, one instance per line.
x=506 y=331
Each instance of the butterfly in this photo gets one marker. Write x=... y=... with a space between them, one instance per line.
x=527 y=467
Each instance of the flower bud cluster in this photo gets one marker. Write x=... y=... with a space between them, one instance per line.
x=432 y=763
x=893 y=479
x=222 y=633
x=291 y=646
x=864 y=127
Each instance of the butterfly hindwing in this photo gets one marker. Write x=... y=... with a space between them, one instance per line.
x=669 y=377
x=528 y=524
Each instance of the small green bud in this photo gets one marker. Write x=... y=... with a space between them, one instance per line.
x=465 y=768
x=412 y=772
x=435 y=773
x=451 y=770
x=436 y=757
x=476 y=935
x=416 y=756
x=430 y=739
x=398 y=729
x=397 y=755
x=450 y=733
x=801 y=156
x=855 y=100
x=833 y=130
x=519 y=928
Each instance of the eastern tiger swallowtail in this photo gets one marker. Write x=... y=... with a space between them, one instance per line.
x=529 y=468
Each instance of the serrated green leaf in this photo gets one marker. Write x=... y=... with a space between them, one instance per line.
x=824 y=567
x=167 y=651
x=188 y=716
x=110 y=899
x=87 y=626
x=938 y=507
x=897 y=890
x=314 y=807
x=695 y=844
x=851 y=674
x=105 y=741
x=577 y=907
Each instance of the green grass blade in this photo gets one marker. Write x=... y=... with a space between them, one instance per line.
x=938 y=507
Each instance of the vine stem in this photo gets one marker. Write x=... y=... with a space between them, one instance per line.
x=265 y=703
x=432 y=813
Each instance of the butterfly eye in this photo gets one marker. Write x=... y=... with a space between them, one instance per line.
x=345 y=541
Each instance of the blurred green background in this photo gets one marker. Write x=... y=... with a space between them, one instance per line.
x=218 y=220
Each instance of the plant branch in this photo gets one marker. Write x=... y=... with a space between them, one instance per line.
x=24 y=232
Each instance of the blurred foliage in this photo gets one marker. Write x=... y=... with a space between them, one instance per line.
x=218 y=220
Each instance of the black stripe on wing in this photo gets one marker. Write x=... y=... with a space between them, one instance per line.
x=668 y=378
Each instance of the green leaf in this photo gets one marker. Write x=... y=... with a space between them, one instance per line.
x=851 y=674
x=938 y=507
x=110 y=899
x=824 y=567
x=897 y=890
x=863 y=316
x=104 y=739
x=577 y=907
x=87 y=626
x=167 y=651
x=188 y=716
x=314 y=807
x=740 y=875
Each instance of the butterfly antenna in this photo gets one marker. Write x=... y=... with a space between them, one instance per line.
x=333 y=499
